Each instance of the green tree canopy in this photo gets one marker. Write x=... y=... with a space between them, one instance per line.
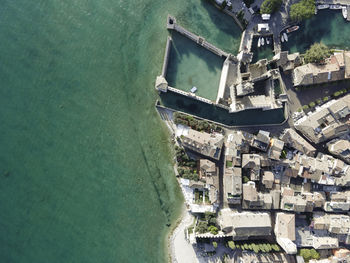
x=270 y=6
x=231 y=244
x=305 y=253
x=302 y=10
x=316 y=53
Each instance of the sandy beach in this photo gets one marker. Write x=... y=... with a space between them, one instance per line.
x=181 y=250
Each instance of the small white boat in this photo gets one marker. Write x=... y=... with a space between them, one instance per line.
x=322 y=6
x=194 y=89
x=262 y=41
x=285 y=37
x=259 y=42
x=335 y=7
x=282 y=38
x=345 y=12
x=267 y=41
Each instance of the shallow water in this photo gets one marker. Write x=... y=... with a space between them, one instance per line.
x=328 y=27
x=192 y=65
x=210 y=112
x=85 y=168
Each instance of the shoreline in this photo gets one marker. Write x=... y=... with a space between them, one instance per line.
x=179 y=249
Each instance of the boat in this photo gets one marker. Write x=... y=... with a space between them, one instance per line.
x=322 y=6
x=285 y=37
x=335 y=7
x=282 y=39
x=259 y=42
x=267 y=41
x=194 y=89
x=262 y=41
x=292 y=29
x=345 y=12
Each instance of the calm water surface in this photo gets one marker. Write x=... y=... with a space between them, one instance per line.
x=85 y=168
x=328 y=27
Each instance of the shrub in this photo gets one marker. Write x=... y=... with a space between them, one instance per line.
x=215 y=244
x=245 y=179
x=228 y=164
x=317 y=53
x=270 y=6
x=302 y=10
x=202 y=227
x=337 y=93
x=312 y=104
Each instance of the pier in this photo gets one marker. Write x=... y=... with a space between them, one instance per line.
x=171 y=24
x=166 y=56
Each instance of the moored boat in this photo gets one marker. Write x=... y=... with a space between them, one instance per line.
x=291 y=29
x=285 y=37
x=267 y=41
x=262 y=41
x=194 y=89
x=322 y=6
x=345 y=12
x=282 y=38
x=335 y=7
x=259 y=42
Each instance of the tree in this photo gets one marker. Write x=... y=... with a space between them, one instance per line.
x=314 y=254
x=302 y=10
x=215 y=244
x=317 y=53
x=305 y=253
x=270 y=6
x=202 y=227
x=231 y=244
x=213 y=229
x=255 y=248
x=275 y=247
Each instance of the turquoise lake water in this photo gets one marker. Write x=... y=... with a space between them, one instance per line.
x=85 y=164
x=328 y=27
x=192 y=65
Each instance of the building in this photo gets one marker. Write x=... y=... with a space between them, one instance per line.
x=251 y=163
x=275 y=149
x=242 y=226
x=285 y=232
x=329 y=121
x=336 y=67
x=233 y=185
x=287 y=61
x=252 y=199
x=268 y=179
x=340 y=148
x=294 y=140
x=261 y=141
x=236 y=145
x=209 y=145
